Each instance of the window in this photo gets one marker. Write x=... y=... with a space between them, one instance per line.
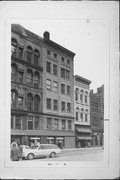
x=69 y=124
x=48 y=84
x=81 y=98
x=48 y=52
x=29 y=77
x=68 y=90
x=29 y=54
x=20 y=77
x=13 y=47
x=86 y=117
x=62 y=88
x=14 y=98
x=76 y=94
x=36 y=103
x=63 y=124
x=20 y=52
x=55 y=105
x=29 y=101
x=48 y=67
x=36 y=57
x=68 y=61
x=37 y=123
x=62 y=59
x=62 y=106
x=62 y=73
x=14 y=73
x=56 y=124
x=67 y=74
x=55 y=86
x=81 y=115
x=68 y=107
x=20 y=102
x=18 y=122
x=30 y=122
x=49 y=123
x=76 y=116
x=12 y=122
x=54 y=69
x=85 y=99
x=36 y=79
x=55 y=55
x=48 y=103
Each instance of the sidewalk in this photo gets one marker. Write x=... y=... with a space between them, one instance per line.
x=90 y=148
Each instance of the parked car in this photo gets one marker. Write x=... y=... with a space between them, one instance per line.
x=43 y=150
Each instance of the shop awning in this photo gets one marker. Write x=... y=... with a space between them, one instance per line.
x=84 y=138
x=83 y=130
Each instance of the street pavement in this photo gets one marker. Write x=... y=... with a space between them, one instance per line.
x=78 y=154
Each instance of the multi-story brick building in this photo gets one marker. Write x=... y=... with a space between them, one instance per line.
x=97 y=116
x=42 y=89
x=82 y=111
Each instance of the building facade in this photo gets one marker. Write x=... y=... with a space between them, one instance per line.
x=82 y=111
x=97 y=116
x=42 y=90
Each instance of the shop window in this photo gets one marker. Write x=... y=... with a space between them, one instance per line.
x=29 y=54
x=29 y=77
x=14 y=72
x=13 y=47
x=69 y=124
x=48 y=83
x=55 y=69
x=49 y=123
x=62 y=106
x=30 y=122
x=68 y=90
x=56 y=124
x=55 y=105
x=29 y=102
x=20 y=102
x=68 y=107
x=63 y=124
x=18 y=122
x=36 y=79
x=20 y=77
x=55 y=86
x=62 y=88
x=48 y=103
x=14 y=98
x=36 y=103
x=36 y=57
x=20 y=53
x=48 y=67
x=37 y=123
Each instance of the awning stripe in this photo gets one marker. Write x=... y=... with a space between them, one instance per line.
x=84 y=130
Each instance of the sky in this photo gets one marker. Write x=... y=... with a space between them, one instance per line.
x=87 y=38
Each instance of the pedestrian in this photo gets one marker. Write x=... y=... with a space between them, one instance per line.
x=20 y=152
x=15 y=153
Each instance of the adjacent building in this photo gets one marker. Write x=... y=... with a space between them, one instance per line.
x=42 y=89
x=97 y=116
x=82 y=111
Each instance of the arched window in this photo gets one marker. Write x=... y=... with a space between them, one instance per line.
x=86 y=115
x=14 y=72
x=29 y=77
x=36 y=103
x=76 y=94
x=77 y=114
x=86 y=97
x=36 y=57
x=14 y=98
x=81 y=96
x=29 y=101
x=13 y=47
x=36 y=79
x=29 y=54
x=81 y=114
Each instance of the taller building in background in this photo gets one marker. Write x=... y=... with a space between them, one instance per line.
x=97 y=116
x=82 y=111
x=42 y=90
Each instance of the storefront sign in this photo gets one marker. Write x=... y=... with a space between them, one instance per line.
x=17 y=133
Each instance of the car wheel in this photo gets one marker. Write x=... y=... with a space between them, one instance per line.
x=52 y=155
x=30 y=156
